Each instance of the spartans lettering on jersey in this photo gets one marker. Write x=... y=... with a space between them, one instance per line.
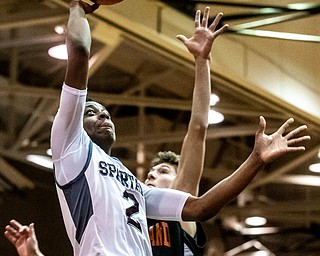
x=126 y=179
x=159 y=234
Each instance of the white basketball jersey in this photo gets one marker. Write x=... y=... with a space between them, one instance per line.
x=104 y=206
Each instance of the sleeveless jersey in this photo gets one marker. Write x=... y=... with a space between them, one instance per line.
x=104 y=206
x=169 y=239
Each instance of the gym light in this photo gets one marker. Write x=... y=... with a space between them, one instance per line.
x=215 y=117
x=314 y=167
x=256 y=221
x=214 y=99
x=59 y=52
x=43 y=161
x=61 y=30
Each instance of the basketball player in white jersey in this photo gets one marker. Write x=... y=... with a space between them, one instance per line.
x=104 y=206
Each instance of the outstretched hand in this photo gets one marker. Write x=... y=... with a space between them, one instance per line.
x=23 y=238
x=270 y=147
x=200 y=43
x=88 y=8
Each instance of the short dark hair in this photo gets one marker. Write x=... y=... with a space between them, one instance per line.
x=88 y=99
x=166 y=157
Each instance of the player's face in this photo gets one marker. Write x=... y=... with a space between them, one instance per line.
x=161 y=176
x=97 y=123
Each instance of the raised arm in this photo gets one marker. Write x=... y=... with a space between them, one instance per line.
x=193 y=148
x=266 y=149
x=69 y=118
x=78 y=44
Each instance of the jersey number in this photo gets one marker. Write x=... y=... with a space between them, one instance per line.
x=132 y=210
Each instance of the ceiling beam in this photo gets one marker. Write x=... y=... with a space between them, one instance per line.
x=288 y=8
x=38 y=118
x=177 y=137
x=277 y=35
x=14 y=176
x=31 y=41
x=18 y=23
x=132 y=100
x=276 y=210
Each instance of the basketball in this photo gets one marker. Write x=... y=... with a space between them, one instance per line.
x=107 y=2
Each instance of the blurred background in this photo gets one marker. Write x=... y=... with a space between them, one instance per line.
x=266 y=64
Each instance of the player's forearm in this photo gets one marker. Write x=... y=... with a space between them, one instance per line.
x=78 y=27
x=201 y=93
x=193 y=148
x=78 y=45
x=208 y=205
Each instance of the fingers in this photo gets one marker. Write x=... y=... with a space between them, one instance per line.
x=205 y=20
x=295 y=149
x=15 y=224
x=216 y=21
x=294 y=132
x=10 y=237
x=262 y=126
x=205 y=17
x=284 y=126
x=182 y=38
x=88 y=8
x=32 y=232
x=290 y=137
x=197 y=19
x=222 y=29
x=11 y=234
x=15 y=230
x=298 y=140
x=24 y=230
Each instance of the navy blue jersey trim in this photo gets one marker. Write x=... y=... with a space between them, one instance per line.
x=80 y=205
x=77 y=194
